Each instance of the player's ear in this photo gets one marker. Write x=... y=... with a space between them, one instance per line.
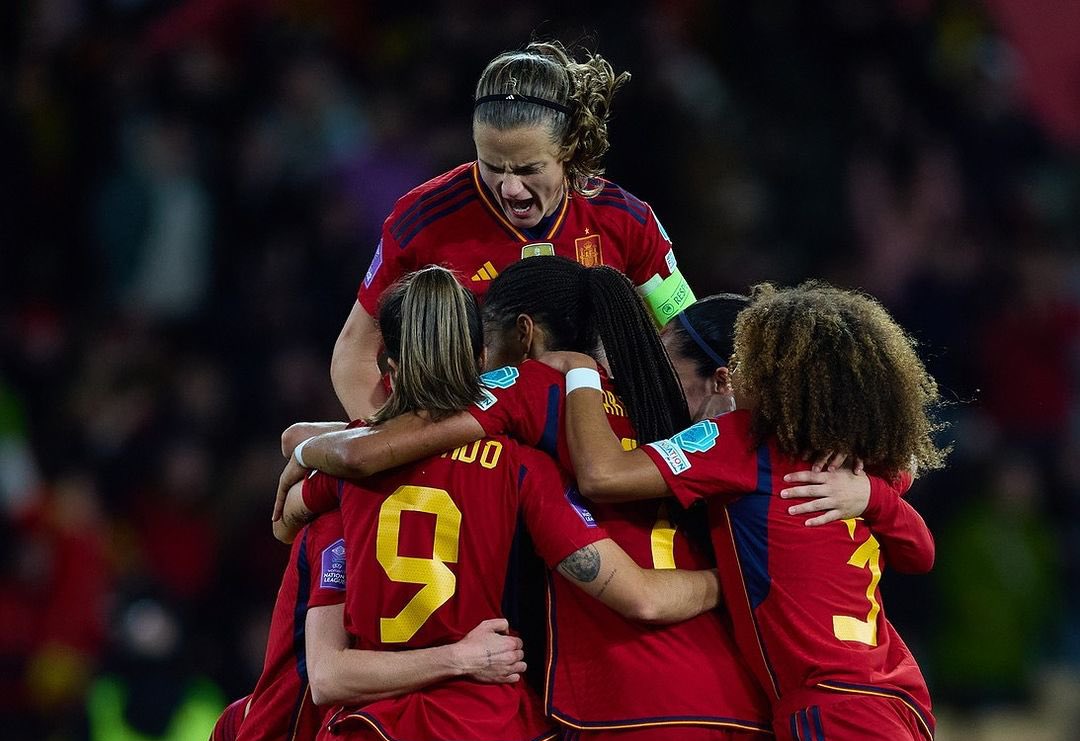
x=392 y=369
x=721 y=381
x=526 y=333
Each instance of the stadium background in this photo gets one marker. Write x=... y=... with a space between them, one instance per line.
x=192 y=190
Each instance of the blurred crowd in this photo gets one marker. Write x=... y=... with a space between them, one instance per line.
x=193 y=189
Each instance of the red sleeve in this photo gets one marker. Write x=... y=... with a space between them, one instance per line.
x=904 y=537
x=326 y=560
x=522 y=402
x=652 y=253
x=321 y=492
x=555 y=514
x=709 y=458
x=389 y=263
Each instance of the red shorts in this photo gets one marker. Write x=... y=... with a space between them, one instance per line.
x=854 y=718
x=227 y=727
x=662 y=733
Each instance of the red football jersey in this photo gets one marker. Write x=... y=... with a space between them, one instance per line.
x=805 y=601
x=454 y=221
x=429 y=545
x=605 y=671
x=281 y=706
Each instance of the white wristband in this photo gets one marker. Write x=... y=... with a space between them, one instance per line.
x=298 y=455
x=582 y=378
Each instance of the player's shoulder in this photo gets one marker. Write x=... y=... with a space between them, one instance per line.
x=617 y=201
x=526 y=373
x=431 y=201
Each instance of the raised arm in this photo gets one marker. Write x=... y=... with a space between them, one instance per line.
x=606 y=572
x=339 y=674
x=604 y=471
x=354 y=367
x=363 y=451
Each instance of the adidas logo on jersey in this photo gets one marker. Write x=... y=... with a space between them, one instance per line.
x=486 y=272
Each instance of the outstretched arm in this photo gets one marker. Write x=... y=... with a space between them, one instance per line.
x=606 y=572
x=363 y=451
x=339 y=674
x=604 y=471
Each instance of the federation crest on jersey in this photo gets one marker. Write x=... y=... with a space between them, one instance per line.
x=332 y=575
x=589 y=251
x=698 y=438
x=376 y=263
x=537 y=249
x=500 y=378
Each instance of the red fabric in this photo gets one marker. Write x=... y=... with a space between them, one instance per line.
x=853 y=718
x=281 y=704
x=784 y=583
x=451 y=221
x=442 y=528
x=606 y=669
x=228 y=723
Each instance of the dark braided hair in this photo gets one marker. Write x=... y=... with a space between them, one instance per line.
x=586 y=309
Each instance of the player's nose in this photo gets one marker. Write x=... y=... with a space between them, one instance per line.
x=512 y=187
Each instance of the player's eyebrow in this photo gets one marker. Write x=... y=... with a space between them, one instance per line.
x=496 y=168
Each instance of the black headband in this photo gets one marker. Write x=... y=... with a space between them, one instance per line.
x=527 y=98
x=684 y=320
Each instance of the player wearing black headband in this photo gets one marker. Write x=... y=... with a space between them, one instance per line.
x=540 y=130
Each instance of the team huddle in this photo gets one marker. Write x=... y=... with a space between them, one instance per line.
x=546 y=420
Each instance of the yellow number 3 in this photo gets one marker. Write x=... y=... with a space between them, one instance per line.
x=438 y=580
x=848 y=628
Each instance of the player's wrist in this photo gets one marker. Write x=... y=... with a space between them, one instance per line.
x=582 y=378
x=298 y=453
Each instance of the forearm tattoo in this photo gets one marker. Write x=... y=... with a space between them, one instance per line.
x=583 y=564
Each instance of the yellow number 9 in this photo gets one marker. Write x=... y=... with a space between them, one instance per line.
x=438 y=580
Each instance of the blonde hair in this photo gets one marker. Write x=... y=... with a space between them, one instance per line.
x=545 y=70
x=431 y=329
x=830 y=370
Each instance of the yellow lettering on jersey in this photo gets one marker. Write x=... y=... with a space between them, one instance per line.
x=439 y=582
x=612 y=405
x=489 y=454
x=868 y=556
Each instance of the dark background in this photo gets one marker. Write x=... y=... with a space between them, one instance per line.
x=191 y=191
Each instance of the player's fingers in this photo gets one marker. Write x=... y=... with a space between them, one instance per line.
x=279 y=503
x=859 y=466
x=821 y=461
x=804 y=492
x=806 y=477
x=831 y=516
x=495 y=625
x=814 y=505
x=836 y=461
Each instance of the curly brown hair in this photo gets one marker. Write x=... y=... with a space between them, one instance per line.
x=545 y=69
x=829 y=370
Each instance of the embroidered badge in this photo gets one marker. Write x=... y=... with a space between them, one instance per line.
x=333 y=566
x=589 y=252
x=574 y=497
x=537 y=249
x=675 y=459
x=500 y=378
x=698 y=438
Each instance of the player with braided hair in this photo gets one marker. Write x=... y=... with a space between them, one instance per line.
x=540 y=121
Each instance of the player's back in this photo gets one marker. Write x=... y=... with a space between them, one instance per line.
x=428 y=546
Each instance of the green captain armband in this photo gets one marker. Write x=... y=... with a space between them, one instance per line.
x=668 y=296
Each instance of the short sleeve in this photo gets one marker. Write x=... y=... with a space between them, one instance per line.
x=707 y=459
x=522 y=402
x=557 y=517
x=326 y=559
x=321 y=492
x=389 y=263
